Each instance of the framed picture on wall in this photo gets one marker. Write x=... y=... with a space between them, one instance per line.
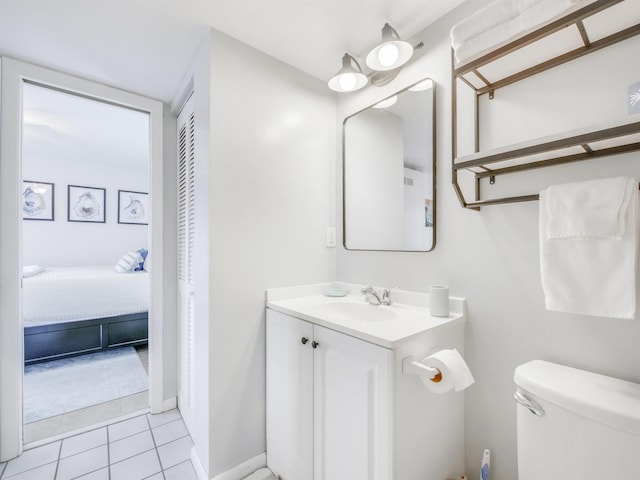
x=634 y=98
x=37 y=200
x=86 y=204
x=428 y=212
x=133 y=207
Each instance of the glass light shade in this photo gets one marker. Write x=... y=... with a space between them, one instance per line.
x=392 y=53
x=386 y=103
x=349 y=78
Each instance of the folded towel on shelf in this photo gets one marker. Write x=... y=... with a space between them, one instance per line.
x=31 y=270
x=488 y=17
x=588 y=247
x=503 y=21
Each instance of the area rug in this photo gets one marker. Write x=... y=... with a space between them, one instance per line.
x=61 y=386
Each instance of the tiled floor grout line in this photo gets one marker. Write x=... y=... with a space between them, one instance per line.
x=153 y=439
x=108 y=454
x=58 y=469
x=55 y=474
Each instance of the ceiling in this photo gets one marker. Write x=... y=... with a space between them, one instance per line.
x=145 y=46
x=73 y=132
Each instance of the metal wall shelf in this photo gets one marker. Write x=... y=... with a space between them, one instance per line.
x=481 y=75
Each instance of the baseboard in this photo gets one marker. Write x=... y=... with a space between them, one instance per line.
x=169 y=403
x=244 y=469
x=197 y=466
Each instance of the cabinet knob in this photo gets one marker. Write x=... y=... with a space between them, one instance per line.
x=315 y=344
x=304 y=340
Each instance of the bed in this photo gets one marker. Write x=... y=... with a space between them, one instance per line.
x=70 y=311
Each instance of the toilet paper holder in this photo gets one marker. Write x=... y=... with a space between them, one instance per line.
x=411 y=366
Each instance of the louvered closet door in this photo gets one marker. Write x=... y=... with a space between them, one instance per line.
x=186 y=238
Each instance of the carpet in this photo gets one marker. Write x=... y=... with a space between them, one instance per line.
x=61 y=386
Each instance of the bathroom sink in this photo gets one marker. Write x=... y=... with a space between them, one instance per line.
x=358 y=311
x=383 y=325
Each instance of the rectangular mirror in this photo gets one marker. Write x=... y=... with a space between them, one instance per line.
x=389 y=173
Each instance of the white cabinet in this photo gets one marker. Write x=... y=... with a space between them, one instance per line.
x=289 y=397
x=329 y=403
x=352 y=408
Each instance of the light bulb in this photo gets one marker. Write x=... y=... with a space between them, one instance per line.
x=388 y=54
x=347 y=81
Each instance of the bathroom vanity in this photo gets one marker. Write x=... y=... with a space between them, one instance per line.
x=338 y=404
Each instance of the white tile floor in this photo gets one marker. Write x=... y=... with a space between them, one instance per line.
x=154 y=447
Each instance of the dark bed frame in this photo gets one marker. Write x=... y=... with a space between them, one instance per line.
x=68 y=339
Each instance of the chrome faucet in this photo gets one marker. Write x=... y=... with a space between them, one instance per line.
x=373 y=297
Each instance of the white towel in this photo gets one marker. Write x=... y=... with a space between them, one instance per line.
x=31 y=270
x=595 y=208
x=488 y=17
x=588 y=252
x=504 y=21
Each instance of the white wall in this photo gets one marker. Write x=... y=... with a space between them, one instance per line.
x=376 y=191
x=491 y=257
x=266 y=153
x=61 y=243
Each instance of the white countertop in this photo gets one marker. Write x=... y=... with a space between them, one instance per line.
x=382 y=325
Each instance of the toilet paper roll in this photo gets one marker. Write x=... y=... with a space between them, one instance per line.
x=454 y=372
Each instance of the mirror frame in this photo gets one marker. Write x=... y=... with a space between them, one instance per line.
x=434 y=162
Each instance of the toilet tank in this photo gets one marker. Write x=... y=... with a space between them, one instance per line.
x=588 y=425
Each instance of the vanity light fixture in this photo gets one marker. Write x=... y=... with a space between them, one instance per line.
x=350 y=77
x=385 y=60
x=392 y=53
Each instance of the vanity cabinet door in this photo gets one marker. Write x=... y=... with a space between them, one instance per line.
x=289 y=397
x=353 y=424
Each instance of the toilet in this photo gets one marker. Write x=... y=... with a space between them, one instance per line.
x=575 y=425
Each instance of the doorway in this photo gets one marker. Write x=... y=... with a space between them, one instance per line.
x=85 y=289
x=15 y=76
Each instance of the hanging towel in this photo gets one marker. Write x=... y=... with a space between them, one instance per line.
x=588 y=247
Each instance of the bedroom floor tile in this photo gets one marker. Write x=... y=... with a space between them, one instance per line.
x=130 y=446
x=91 y=415
x=169 y=432
x=182 y=471
x=45 y=472
x=49 y=427
x=163 y=418
x=173 y=453
x=84 y=441
x=33 y=458
x=135 y=403
x=83 y=463
x=124 y=429
x=124 y=450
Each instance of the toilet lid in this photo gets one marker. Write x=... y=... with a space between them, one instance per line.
x=604 y=399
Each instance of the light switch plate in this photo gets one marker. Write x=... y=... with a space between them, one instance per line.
x=331 y=236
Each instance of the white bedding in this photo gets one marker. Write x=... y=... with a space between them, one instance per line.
x=80 y=293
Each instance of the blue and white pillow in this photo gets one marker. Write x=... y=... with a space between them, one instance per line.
x=128 y=262
x=143 y=253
